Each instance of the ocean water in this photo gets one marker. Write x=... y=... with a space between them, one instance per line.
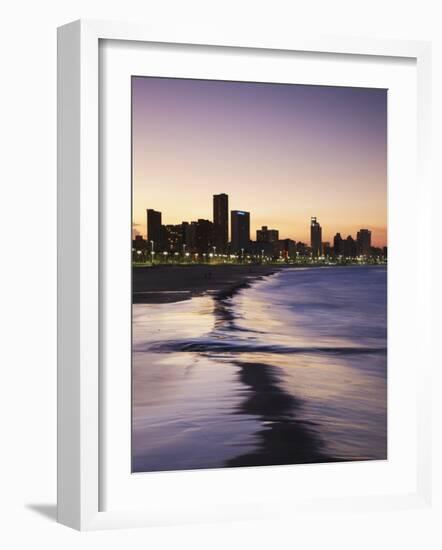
x=292 y=369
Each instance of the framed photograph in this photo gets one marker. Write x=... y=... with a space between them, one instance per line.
x=237 y=276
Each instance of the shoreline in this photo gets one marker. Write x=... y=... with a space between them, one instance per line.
x=168 y=284
x=165 y=284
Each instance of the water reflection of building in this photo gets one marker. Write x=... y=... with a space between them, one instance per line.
x=154 y=228
x=221 y=221
x=240 y=230
x=315 y=237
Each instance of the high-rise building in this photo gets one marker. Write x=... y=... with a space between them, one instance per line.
x=364 y=242
x=221 y=221
x=338 y=245
x=173 y=238
x=301 y=248
x=204 y=236
x=139 y=243
x=350 y=248
x=326 y=249
x=286 y=248
x=266 y=235
x=154 y=229
x=315 y=237
x=189 y=236
x=240 y=230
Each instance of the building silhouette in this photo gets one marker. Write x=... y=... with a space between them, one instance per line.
x=204 y=241
x=173 y=238
x=154 y=229
x=139 y=243
x=364 y=242
x=338 y=245
x=286 y=248
x=350 y=248
x=301 y=248
x=189 y=232
x=210 y=239
x=262 y=250
x=240 y=230
x=266 y=235
x=315 y=237
x=221 y=221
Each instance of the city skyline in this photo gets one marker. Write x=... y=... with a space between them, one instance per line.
x=283 y=152
x=204 y=237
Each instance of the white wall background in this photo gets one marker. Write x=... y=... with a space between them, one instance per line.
x=28 y=277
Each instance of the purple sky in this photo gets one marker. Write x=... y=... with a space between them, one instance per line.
x=284 y=152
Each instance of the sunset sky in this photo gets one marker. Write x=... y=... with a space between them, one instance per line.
x=283 y=152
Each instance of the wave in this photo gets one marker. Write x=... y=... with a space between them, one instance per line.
x=220 y=346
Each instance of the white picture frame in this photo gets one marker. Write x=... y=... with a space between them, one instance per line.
x=79 y=272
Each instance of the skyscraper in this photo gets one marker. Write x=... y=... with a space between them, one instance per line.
x=154 y=228
x=240 y=230
x=364 y=242
x=221 y=221
x=315 y=237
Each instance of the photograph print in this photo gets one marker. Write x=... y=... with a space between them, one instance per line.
x=259 y=274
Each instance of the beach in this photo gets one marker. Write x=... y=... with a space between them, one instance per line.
x=167 y=284
x=289 y=368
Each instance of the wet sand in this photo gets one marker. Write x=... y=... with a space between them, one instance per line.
x=166 y=284
x=215 y=387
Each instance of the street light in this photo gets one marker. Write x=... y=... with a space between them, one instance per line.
x=152 y=253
